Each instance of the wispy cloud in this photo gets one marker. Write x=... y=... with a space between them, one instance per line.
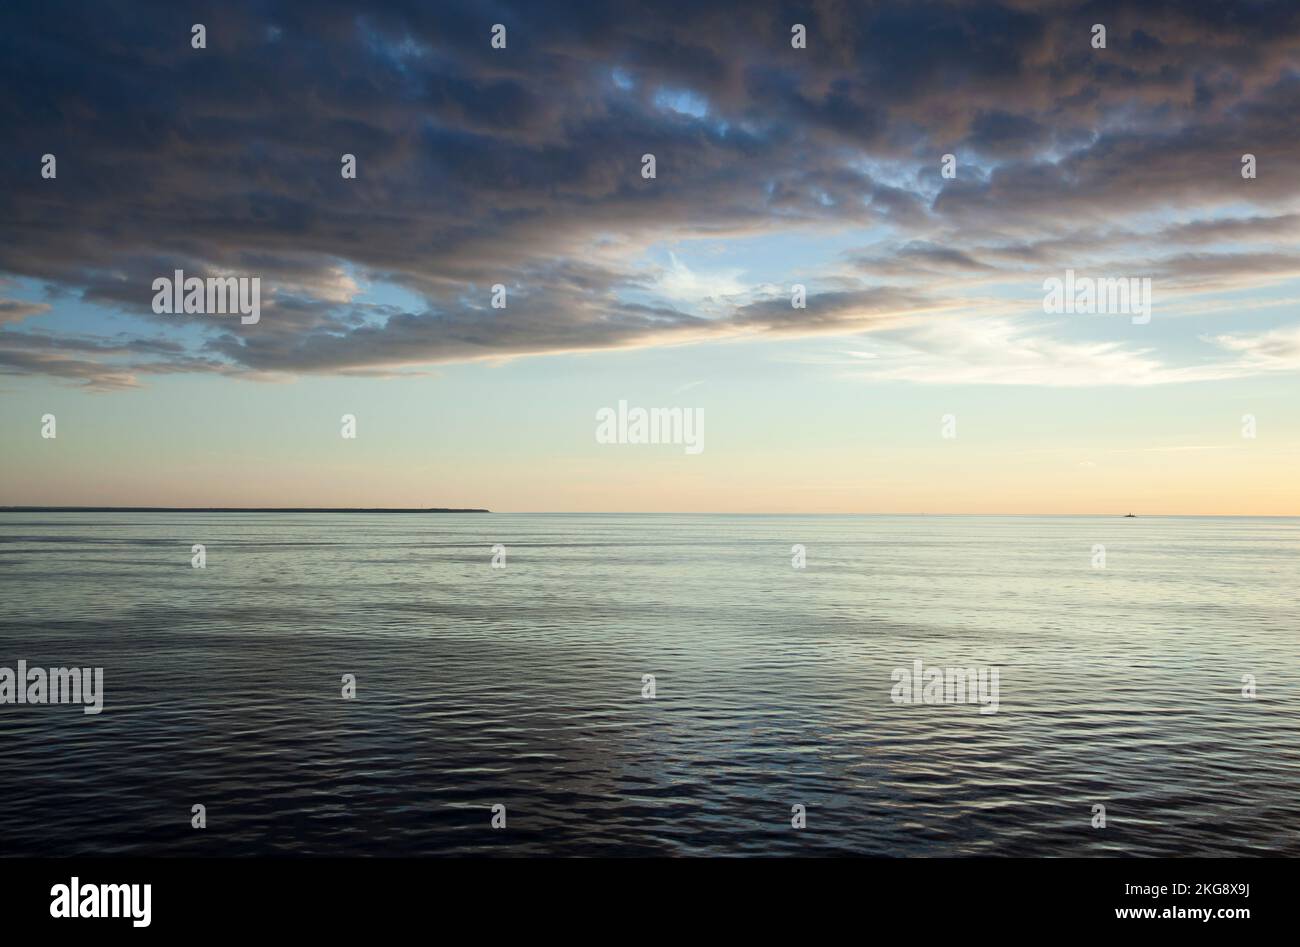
x=997 y=352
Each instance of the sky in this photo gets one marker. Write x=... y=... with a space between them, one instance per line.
x=921 y=170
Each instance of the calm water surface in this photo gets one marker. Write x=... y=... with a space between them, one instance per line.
x=522 y=685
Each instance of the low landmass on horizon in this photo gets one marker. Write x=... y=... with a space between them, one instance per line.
x=232 y=509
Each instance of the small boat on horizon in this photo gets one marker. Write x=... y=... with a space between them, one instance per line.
x=1130 y=516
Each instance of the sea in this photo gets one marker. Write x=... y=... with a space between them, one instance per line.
x=360 y=684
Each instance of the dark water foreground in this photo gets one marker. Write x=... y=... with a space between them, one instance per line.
x=522 y=686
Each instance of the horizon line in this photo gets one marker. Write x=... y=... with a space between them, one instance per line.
x=46 y=508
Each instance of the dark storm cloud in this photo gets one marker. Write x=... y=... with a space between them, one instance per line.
x=521 y=166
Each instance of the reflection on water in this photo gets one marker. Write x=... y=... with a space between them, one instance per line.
x=522 y=686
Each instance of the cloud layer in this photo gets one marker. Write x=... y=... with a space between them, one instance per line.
x=522 y=167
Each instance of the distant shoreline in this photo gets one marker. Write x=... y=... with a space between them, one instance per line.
x=229 y=509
